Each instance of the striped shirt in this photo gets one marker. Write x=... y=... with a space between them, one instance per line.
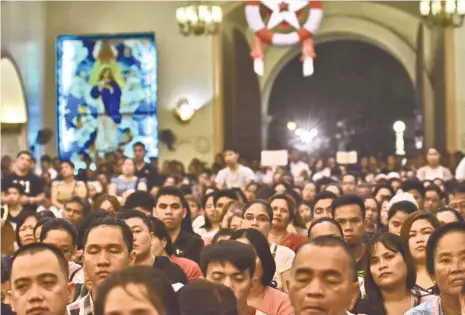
x=83 y=306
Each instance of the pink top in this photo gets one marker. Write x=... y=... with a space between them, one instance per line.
x=275 y=302
x=190 y=267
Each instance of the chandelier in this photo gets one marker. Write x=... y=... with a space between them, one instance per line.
x=443 y=13
x=199 y=19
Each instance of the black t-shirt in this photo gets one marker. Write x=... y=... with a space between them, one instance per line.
x=188 y=245
x=33 y=186
x=173 y=272
x=151 y=175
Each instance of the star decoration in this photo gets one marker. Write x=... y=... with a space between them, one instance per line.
x=284 y=11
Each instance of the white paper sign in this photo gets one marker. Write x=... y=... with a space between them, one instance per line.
x=346 y=157
x=274 y=158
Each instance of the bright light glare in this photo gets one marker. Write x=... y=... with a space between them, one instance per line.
x=306 y=136
x=292 y=125
x=314 y=133
x=399 y=126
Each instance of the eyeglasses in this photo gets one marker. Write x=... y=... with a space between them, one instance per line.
x=260 y=218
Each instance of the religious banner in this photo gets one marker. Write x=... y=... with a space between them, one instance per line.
x=106 y=95
x=284 y=23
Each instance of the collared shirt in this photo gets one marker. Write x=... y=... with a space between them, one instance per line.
x=83 y=306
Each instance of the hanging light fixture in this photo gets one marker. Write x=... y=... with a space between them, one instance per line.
x=443 y=13
x=199 y=19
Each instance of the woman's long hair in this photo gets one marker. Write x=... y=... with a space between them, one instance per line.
x=396 y=244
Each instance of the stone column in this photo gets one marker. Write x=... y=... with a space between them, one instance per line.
x=459 y=72
x=451 y=119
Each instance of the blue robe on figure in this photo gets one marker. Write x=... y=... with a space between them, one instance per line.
x=111 y=100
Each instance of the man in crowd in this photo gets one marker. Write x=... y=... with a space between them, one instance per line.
x=144 y=169
x=416 y=189
x=108 y=247
x=324 y=278
x=233 y=264
x=23 y=174
x=349 y=184
x=322 y=205
x=75 y=211
x=457 y=201
x=324 y=226
x=234 y=175
x=39 y=281
x=172 y=208
x=349 y=212
x=143 y=238
x=433 y=199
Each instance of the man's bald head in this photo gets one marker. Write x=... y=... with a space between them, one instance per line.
x=332 y=242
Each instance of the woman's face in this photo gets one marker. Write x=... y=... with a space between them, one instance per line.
x=309 y=192
x=212 y=212
x=256 y=217
x=281 y=213
x=305 y=212
x=158 y=246
x=449 y=263
x=383 y=194
x=388 y=268
x=280 y=189
x=250 y=192
x=194 y=209
x=371 y=213
x=418 y=237
x=26 y=231
x=127 y=168
x=130 y=299
x=384 y=213
x=66 y=170
x=395 y=224
x=106 y=205
x=235 y=223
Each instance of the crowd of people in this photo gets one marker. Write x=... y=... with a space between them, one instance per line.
x=126 y=237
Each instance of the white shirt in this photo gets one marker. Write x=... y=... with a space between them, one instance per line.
x=283 y=258
x=460 y=171
x=236 y=179
x=298 y=167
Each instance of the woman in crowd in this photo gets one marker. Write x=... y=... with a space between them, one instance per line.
x=263 y=296
x=284 y=218
x=134 y=289
x=389 y=276
x=304 y=211
x=126 y=183
x=397 y=215
x=25 y=228
x=445 y=262
x=416 y=231
x=68 y=187
x=258 y=215
x=108 y=203
x=372 y=215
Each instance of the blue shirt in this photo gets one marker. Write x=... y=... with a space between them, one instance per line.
x=426 y=309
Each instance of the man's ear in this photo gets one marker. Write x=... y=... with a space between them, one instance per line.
x=132 y=258
x=71 y=292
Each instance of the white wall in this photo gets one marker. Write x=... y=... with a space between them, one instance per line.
x=23 y=40
x=185 y=63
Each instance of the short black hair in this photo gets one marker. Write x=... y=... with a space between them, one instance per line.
x=322 y=195
x=221 y=233
x=404 y=206
x=46 y=158
x=160 y=293
x=35 y=248
x=130 y=214
x=111 y=222
x=140 y=199
x=381 y=186
x=18 y=187
x=324 y=219
x=59 y=224
x=349 y=199
x=436 y=188
x=242 y=256
x=158 y=228
x=434 y=239
x=138 y=144
x=24 y=152
x=71 y=164
x=81 y=202
x=453 y=211
x=174 y=191
x=412 y=184
x=228 y=193
x=334 y=241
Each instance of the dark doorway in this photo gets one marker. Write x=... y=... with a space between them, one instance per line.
x=357 y=92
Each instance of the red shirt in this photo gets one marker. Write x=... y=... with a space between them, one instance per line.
x=190 y=267
x=294 y=241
